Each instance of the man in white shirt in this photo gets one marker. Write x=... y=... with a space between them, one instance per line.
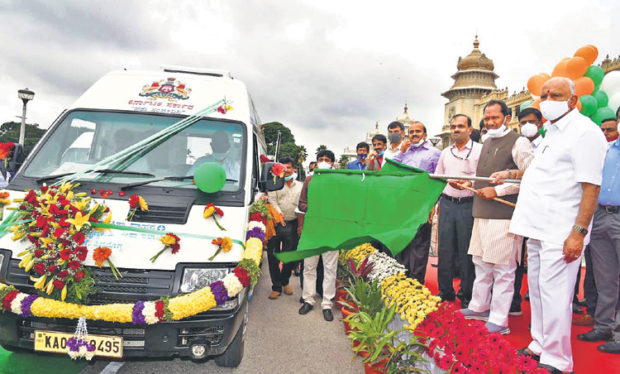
x=554 y=210
x=286 y=238
x=396 y=135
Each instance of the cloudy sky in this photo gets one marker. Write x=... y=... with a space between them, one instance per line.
x=326 y=69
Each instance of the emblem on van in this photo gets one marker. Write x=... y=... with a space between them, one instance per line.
x=170 y=89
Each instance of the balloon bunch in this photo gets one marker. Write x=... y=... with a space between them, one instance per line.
x=593 y=101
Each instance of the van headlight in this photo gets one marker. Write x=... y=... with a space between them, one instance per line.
x=195 y=279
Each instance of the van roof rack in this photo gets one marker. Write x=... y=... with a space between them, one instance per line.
x=197 y=71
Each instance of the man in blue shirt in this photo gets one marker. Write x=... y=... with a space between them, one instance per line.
x=362 y=149
x=605 y=252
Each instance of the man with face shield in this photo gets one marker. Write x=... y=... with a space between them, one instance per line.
x=495 y=252
x=223 y=154
x=556 y=203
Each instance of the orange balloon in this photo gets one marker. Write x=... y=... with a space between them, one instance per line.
x=583 y=86
x=588 y=52
x=536 y=82
x=560 y=68
x=576 y=67
x=579 y=105
x=536 y=104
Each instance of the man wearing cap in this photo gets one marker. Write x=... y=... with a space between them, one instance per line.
x=558 y=197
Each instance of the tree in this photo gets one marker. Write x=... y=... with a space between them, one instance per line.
x=270 y=131
x=9 y=132
x=344 y=160
x=322 y=147
x=302 y=155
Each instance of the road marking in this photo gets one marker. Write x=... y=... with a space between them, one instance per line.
x=112 y=367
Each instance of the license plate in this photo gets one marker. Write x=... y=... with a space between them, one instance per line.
x=56 y=342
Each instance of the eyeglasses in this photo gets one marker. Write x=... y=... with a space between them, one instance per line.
x=608 y=129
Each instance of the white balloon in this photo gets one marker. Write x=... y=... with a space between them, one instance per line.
x=611 y=86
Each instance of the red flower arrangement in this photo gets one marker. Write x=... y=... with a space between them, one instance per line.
x=211 y=211
x=461 y=346
x=170 y=241
x=5 y=151
x=102 y=254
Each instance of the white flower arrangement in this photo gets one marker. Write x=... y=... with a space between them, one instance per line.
x=384 y=266
x=149 y=313
x=16 y=304
x=253 y=224
x=232 y=284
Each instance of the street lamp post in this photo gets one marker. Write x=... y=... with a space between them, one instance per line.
x=26 y=95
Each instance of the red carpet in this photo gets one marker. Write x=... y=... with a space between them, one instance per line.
x=587 y=359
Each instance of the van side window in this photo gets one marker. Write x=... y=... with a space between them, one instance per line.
x=256 y=166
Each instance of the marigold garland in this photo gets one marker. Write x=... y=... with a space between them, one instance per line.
x=145 y=312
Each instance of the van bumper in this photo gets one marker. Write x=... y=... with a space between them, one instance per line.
x=214 y=330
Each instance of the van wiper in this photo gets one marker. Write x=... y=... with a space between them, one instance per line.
x=100 y=171
x=174 y=178
x=142 y=183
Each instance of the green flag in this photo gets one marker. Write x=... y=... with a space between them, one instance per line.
x=350 y=207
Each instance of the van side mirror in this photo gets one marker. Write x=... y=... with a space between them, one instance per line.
x=268 y=181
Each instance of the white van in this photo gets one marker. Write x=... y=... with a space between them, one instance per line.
x=119 y=110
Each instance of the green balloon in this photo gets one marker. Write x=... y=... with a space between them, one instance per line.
x=603 y=114
x=589 y=105
x=210 y=177
x=596 y=73
x=601 y=98
x=526 y=104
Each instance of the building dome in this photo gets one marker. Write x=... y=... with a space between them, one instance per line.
x=476 y=60
x=404 y=118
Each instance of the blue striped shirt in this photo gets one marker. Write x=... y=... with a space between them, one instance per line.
x=610 y=188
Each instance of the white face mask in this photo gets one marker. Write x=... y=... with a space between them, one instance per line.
x=324 y=165
x=498 y=132
x=529 y=130
x=292 y=176
x=553 y=110
x=484 y=137
x=416 y=145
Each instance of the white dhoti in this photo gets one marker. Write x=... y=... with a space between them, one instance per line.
x=330 y=266
x=551 y=283
x=494 y=252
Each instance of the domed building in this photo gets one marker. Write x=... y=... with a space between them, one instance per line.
x=475 y=77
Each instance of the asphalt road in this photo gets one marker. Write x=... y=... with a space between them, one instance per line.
x=278 y=341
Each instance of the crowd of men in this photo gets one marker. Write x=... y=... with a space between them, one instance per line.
x=490 y=232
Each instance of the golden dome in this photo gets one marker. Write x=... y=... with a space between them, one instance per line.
x=404 y=118
x=476 y=60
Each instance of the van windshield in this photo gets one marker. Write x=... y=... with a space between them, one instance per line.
x=84 y=138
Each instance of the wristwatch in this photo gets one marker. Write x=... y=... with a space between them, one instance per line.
x=583 y=231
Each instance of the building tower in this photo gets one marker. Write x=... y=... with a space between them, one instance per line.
x=474 y=78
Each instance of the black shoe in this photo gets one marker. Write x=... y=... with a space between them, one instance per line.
x=445 y=297
x=524 y=352
x=327 y=314
x=577 y=309
x=515 y=310
x=301 y=299
x=610 y=347
x=594 y=335
x=305 y=308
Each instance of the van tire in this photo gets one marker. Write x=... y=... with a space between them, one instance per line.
x=233 y=355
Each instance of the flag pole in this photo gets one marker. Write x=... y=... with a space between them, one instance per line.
x=471 y=178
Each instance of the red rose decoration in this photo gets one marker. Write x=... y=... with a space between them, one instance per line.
x=58 y=284
x=79 y=275
x=39 y=267
x=6 y=302
x=65 y=254
x=74 y=265
x=63 y=274
x=243 y=276
x=93 y=191
x=41 y=222
x=257 y=216
x=79 y=238
x=38 y=253
x=44 y=188
x=52 y=269
x=278 y=170
x=81 y=252
x=134 y=200
x=60 y=232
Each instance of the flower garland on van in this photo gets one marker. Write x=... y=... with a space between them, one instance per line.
x=148 y=312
